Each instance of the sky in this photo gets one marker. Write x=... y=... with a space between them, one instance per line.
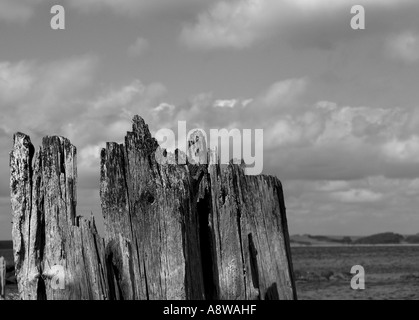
x=339 y=107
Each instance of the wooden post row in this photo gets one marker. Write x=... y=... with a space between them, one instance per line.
x=172 y=231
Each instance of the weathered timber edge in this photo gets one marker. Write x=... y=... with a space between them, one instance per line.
x=2 y=278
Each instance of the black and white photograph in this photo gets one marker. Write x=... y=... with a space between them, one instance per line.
x=222 y=151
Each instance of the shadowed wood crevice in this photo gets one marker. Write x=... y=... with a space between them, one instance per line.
x=206 y=239
x=253 y=262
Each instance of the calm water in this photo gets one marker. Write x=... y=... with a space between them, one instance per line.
x=8 y=255
x=391 y=272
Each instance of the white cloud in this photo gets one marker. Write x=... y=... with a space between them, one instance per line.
x=404 y=47
x=246 y=102
x=234 y=24
x=225 y=103
x=357 y=196
x=403 y=150
x=328 y=186
x=163 y=107
x=88 y=156
x=139 y=47
x=284 y=92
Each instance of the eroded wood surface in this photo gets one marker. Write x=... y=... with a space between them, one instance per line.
x=187 y=231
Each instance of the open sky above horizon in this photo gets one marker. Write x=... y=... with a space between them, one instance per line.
x=339 y=107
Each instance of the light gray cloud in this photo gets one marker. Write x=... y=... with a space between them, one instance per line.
x=139 y=47
x=404 y=47
x=240 y=24
x=357 y=196
x=15 y=11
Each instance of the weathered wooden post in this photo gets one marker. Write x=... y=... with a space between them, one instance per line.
x=2 y=278
x=150 y=217
x=57 y=254
x=192 y=231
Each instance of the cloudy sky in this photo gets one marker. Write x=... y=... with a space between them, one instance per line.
x=339 y=107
